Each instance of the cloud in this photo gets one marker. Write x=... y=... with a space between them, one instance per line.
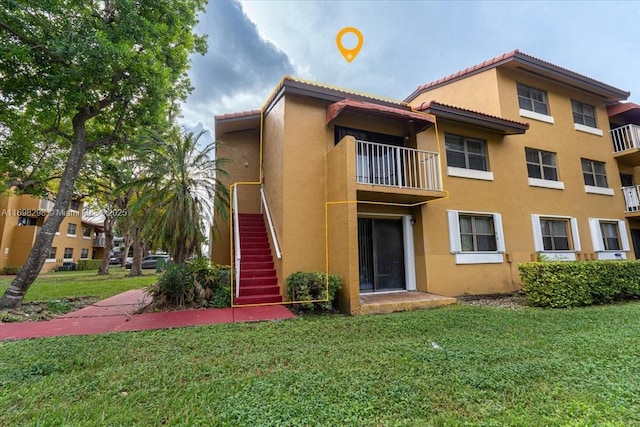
x=239 y=69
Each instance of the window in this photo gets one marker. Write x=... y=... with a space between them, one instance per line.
x=583 y=114
x=27 y=220
x=477 y=233
x=541 y=164
x=609 y=238
x=68 y=253
x=467 y=153
x=594 y=173
x=532 y=99
x=476 y=237
x=75 y=205
x=52 y=253
x=556 y=236
x=84 y=253
x=86 y=231
x=71 y=230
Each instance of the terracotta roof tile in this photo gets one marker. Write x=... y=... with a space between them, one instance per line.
x=237 y=115
x=619 y=108
x=426 y=105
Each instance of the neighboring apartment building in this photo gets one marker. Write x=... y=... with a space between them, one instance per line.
x=22 y=216
x=444 y=193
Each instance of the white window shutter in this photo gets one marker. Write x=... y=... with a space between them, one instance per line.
x=624 y=240
x=576 y=236
x=497 y=225
x=538 y=244
x=596 y=234
x=454 y=232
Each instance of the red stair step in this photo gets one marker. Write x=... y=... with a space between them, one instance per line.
x=255 y=258
x=257 y=299
x=266 y=265
x=258 y=281
x=259 y=290
x=247 y=272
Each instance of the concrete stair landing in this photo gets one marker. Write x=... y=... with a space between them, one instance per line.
x=401 y=301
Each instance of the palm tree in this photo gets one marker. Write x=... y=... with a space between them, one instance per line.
x=180 y=190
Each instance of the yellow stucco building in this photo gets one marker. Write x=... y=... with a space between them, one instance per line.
x=443 y=193
x=22 y=216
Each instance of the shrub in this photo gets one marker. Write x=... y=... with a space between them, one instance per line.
x=89 y=264
x=11 y=270
x=195 y=283
x=579 y=283
x=312 y=286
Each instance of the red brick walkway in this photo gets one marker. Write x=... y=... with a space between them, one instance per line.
x=116 y=314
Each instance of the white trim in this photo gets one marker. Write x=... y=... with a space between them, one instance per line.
x=461 y=257
x=546 y=183
x=598 y=190
x=559 y=255
x=470 y=173
x=86 y=238
x=71 y=235
x=611 y=255
x=67 y=259
x=57 y=233
x=588 y=129
x=409 y=254
x=479 y=258
x=50 y=260
x=394 y=291
x=537 y=116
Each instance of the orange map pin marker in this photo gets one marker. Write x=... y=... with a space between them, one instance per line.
x=349 y=54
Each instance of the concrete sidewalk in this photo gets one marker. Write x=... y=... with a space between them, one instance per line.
x=117 y=314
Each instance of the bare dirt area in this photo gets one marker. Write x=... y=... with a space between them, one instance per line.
x=44 y=310
x=509 y=301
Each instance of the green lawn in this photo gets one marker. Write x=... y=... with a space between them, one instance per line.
x=528 y=367
x=66 y=284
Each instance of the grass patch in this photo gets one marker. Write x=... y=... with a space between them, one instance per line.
x=494 y=367
x=70 y=284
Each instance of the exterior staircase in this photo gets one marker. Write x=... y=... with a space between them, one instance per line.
x=258 y=280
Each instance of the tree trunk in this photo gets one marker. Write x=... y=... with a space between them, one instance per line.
x=15 y=292
x=136 y=265
x=108 y=247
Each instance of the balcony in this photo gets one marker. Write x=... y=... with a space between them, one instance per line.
x=99 y=242
x=391 y=173
x=626 y=144
x=632 y=199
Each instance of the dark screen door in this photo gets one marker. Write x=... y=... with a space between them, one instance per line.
x=381 y=254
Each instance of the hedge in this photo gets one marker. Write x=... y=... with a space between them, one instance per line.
x=579 y=283
x=305 y=286
x=89 y=264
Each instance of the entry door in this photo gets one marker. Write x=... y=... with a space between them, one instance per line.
x=635 y=238
x=381 y=255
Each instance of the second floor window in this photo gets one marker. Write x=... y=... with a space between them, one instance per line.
x=532 y=99
x=594 y=173
x=583 y=114
x=541 y=164
x=466 y=153
x=477 y=233
x=86 y=231
x=71 y=229
x=75 y=205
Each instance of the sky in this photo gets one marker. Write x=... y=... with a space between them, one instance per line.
x=253 y=44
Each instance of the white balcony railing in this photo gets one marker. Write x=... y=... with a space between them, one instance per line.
x=390 y=165
x=46 y=204
x=631 y=198
x=625 y=138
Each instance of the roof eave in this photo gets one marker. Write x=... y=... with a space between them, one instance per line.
x=494 y=124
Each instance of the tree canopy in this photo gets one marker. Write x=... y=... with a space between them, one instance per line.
x=80 y=74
